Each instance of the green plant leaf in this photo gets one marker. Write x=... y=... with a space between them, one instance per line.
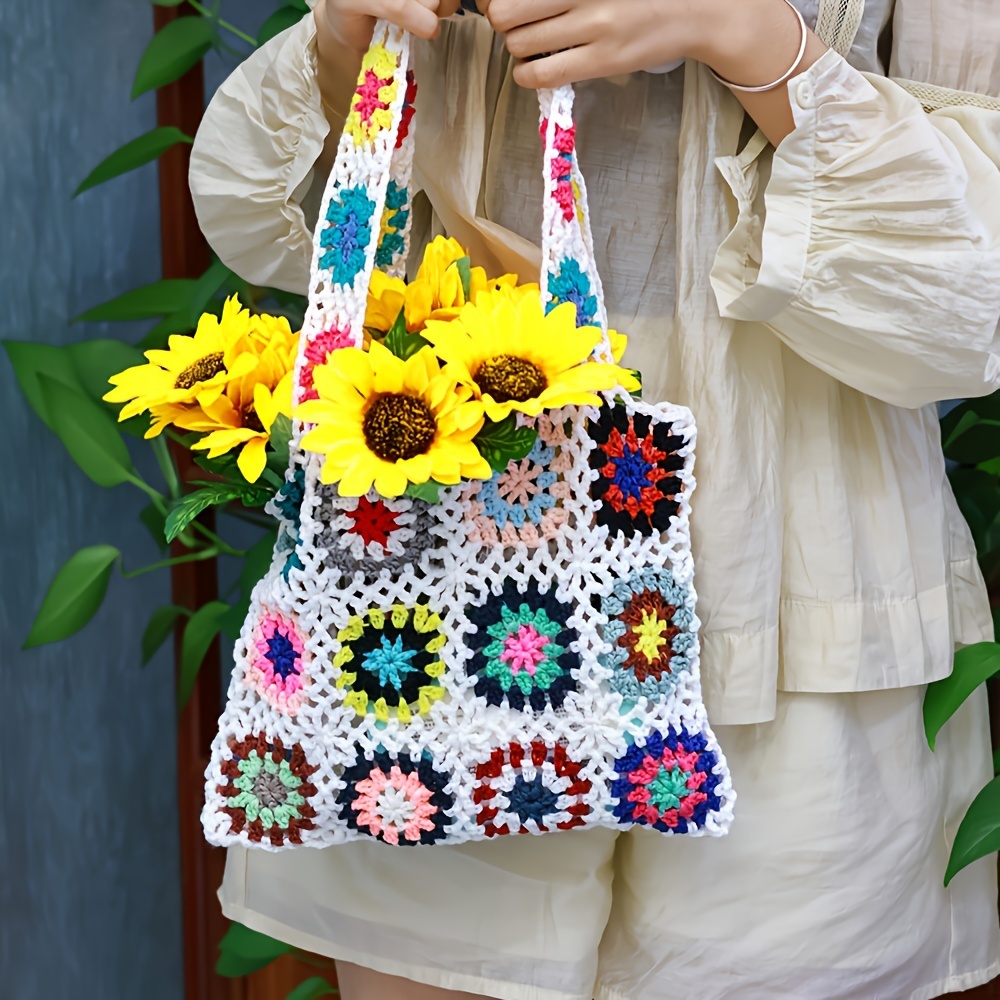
x=192 y=504
x=74 y=595
x=974 y=665
x=312 y=989
x=88 y=432
x=172 y=51
x=137 y=153
x=464 y=267
x=974 y=440
x=156 y=523
x=429 y=492
x=243 y=951
x=185 y=319
x=161 y=298
x=159 y=628
x=97 y=360
x=256 y=564
x=199 y=633
x=401 y=342
x=979 y=832
x=279 y=21
x=281 y=434
x=31 y=360
x=505 y=442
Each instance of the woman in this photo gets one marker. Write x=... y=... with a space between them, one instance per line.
x=811 y=304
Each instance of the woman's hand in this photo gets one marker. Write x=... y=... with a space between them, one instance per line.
x=750 y=42
x=350 y=23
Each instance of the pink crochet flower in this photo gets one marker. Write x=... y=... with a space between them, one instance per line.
x=394 y=803
x=278 y=660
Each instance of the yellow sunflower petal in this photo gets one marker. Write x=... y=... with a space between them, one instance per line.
x=252 y=459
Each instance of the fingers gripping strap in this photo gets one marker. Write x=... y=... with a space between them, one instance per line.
x=360 y=224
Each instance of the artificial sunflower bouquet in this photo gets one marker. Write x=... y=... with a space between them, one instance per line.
x=455 y=367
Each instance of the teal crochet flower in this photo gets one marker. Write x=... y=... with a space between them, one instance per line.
x=572 y=285
x=394 y=221
x=347 y=237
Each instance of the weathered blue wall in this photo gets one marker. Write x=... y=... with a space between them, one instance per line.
x=89 y=878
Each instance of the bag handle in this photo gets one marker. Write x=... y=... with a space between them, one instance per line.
x=368 y=189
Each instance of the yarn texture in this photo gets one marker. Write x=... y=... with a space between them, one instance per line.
x=518 y=656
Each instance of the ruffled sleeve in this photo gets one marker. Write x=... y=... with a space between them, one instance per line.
x=874 y=251
x=253 y=160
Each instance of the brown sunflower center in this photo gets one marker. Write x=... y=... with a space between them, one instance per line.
x=251 y=420
x=398 y=426
x=510 y=379
x=201 y=371
x=269 y=790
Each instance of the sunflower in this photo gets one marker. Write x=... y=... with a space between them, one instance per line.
x=515 y=357
x=436 y=292
x=242 y=417
x=386 y=422
x=193 y=369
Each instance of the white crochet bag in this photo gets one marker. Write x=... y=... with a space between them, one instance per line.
x=521 y=657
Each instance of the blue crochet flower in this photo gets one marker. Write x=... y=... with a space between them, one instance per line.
x=347 y=237
x=521 y=495
x=287 y=502
x=391 y=244
x=572 y=285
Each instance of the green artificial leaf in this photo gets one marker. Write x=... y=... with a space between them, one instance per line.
x=279 y=21
x=191 y=505
x=137 y=153
x=505 y=442
x=974 y=665
x=88 y=432
x=74 y=595
x=156 y=523
x=979 y=832
x=173 y=50
x=401 y=342
x=32 y=360
x=256 y=564
x=159 y=628
x=974 y=440
x=312 y=989
x=637 y=393
x=199 y=633
x=185 y=319
x=429 y=492
x=161 y=298
x=97 y=360
x=281 y=434
x=464 y=267
x=243 y=951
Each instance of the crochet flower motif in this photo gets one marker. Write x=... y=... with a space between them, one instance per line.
x=649 y=628
x=566 y=192
x=373 y=535
x=287 y=502
x=530 y=789
x=278 y=662
x=523 y=503
x=570 y=284
x=409 y=109
x=392 y=661
x=268 y=790
x=370 y=107
x=394 y=218
x=317 y=352
x=521 y=655
x=348 y=234
x=669 y=784
x=637 y=465
x=396 y=800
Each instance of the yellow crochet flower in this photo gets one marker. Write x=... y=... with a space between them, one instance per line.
x=515 y=357
x=193 y=369
x=243 y=416
x=436 y=292
x=386 y=422
x=376 y=90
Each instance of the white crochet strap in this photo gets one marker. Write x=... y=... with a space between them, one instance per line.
x=838 y=22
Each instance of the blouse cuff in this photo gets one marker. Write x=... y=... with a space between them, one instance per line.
x=254 y=157
x=760 y=266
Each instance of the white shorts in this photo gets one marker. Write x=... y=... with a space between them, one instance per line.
x=829 y=886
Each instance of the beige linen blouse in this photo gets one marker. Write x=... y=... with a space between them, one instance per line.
x=810 y=304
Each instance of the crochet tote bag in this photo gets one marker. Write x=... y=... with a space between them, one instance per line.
x=519 y=657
